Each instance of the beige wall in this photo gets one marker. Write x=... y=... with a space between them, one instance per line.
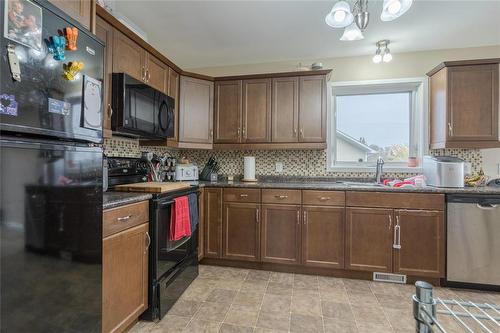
x=403 y=65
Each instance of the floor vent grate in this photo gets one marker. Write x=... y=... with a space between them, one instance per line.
x=388 y=277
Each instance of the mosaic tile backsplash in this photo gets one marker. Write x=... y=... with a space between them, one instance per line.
x=305 y=163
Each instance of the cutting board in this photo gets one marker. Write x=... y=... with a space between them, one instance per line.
x=152 y=187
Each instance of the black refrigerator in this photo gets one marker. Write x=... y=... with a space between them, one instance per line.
x=50 y=171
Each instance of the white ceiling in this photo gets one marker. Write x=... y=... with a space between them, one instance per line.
x=215 y=33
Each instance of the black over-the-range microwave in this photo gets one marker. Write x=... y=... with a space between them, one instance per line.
x=139 y=110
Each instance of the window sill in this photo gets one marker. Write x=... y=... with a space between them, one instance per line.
x=394 y=169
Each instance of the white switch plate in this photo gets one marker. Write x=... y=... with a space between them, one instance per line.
x=279 y=167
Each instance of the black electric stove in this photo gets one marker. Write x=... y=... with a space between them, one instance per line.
x=173 y=265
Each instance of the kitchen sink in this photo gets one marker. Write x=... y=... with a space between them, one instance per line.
x=363 y=184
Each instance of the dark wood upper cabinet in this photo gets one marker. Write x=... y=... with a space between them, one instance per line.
x=422 y=245
x=213 y=222
x=369 y=239
x=256 y=110
x=156 y=73
x=104 y=31
x=241 y=231
x=128 y=56
x=323 y=236
x=81 y=10
x=173 y=91
x=196 y=111
x=464 y=100
x=281 y=233
x=228 y=111
x=124 y=254
x=312 y=108
x=285 y=109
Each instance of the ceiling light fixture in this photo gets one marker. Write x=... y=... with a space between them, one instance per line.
x=341 y=15
x=384 y=55
x=352 y=32
x=392 y=9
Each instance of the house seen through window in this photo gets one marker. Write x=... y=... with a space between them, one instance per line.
x=376 y=120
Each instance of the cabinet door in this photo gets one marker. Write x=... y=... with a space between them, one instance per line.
x=312 y=109
x=419 y=243
x=473 y=103
x=280 y=241
x=196 y=110
x=256 y=110
x=369 y=239
x=285 y=109
x=213 y=222
x=201 y=225
x=104 y=31
x=124 y=277
x=323 y=236
x=128 y=56
x=173 y=91
x=156 y=73
x=228 y=111
x=241 y=231
x=80 y=10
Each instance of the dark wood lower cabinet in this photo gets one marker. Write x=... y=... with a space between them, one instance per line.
x=241 y=231
x=369 y=239
x=421 y=236
x=125 y=277
x=281 y=233
x=323 y=236
x=213 y=222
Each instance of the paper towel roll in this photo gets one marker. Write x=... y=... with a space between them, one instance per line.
x=249 y=168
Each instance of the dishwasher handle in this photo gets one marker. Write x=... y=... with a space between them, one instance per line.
x=486 y=206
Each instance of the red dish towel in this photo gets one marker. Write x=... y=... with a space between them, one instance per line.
x=180 y=225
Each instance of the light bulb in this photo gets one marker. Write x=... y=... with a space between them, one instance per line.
x=377 y=58
x=387 y=56
x=394 y=7
x=339 y=15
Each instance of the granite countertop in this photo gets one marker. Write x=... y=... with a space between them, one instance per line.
x=115 y=199
x=324 y=184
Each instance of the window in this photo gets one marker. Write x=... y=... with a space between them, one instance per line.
x=377 y=118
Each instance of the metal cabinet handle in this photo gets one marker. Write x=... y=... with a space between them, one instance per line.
x=143 y=73
x=281 y=196
x=110 y=111
x=244 y=132
x=301 y=133
x=239 y=131
x=294 y=132
x=243 y=195
x=450 y=129
x=148 y=75
x=149 y=242
x=324 y=198
x=390 y=222
x=257 y=215
x=305 y=217
x=124 y=218
x=489 y=207
x=211 y=133
x=298 y=217
x=397 y=235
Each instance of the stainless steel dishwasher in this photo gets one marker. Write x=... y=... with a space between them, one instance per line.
x=473 y=240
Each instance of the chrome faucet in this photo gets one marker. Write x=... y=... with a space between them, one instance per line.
x=379 y=171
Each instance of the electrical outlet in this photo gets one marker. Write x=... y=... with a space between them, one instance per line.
x=279 y=167
x=467 y=168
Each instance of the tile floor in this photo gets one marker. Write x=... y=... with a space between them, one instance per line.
x=231 y=300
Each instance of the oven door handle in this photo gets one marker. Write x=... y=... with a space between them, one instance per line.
x=166 y=203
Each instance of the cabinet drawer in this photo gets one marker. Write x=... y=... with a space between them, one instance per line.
x=323 y=198
x=242 y=194
x=124 y=217
x=293 y=197
x=395 y=200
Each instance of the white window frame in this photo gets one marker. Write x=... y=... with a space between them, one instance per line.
x=419 y=128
